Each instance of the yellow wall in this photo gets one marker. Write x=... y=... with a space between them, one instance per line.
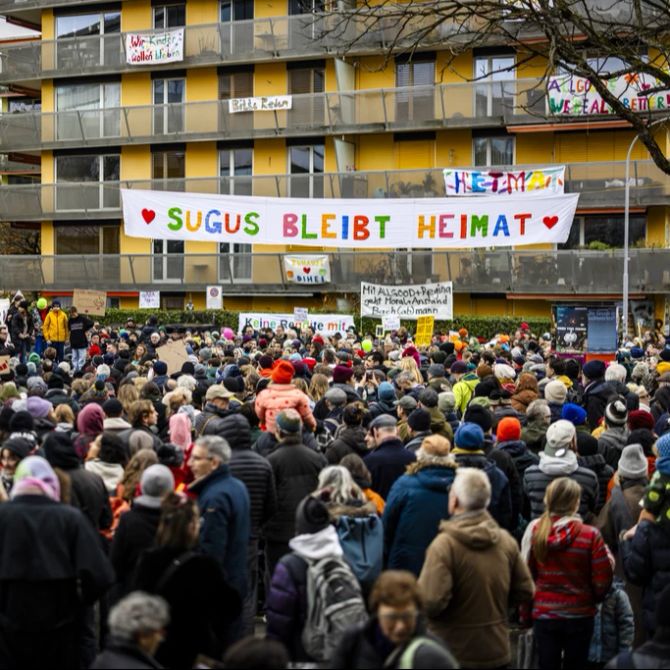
x=136 y=15
x=202 y=11
x=270 y=8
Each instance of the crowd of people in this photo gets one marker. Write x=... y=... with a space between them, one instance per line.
x=289 y=497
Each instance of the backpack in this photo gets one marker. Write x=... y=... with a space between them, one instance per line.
x=334 y=603
x=325 y=434
x=362 y=541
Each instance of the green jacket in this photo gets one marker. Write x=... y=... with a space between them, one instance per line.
x=464 y=389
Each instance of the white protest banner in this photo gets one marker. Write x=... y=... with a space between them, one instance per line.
x=540 y=181
x=174 y=354
x=4 y=308
x=307 y=269
x=575 y=96
x=326 y=324
x=262 y=104
x=214 y=297
x=150 y=299
x=89 y=302
x=421 y=223
x=408 y=302
x=165 y=46
x=390 y=322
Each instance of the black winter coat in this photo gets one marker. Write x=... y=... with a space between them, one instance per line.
x=213 y=420
x=122 y=654
x=604 y=472
x=349 y=440
x=596 y=396
x=505 y=463
x=296 y=471
x=386 y=463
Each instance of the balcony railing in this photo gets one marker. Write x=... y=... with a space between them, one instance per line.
x=256 y=40
x=331 y=113
x=503 y=271
x=601 y=184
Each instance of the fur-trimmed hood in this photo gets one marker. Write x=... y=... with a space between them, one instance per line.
x=354 y=509
x=431 y=462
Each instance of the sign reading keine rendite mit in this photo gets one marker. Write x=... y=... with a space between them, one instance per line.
x=422 y=223
x=408 y=302
x=328 y=324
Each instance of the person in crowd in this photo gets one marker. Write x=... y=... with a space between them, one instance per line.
x=217 y=409
x=253 y=653
x=416 y=505
x=573 y=572
x=136 y=628
x=538 y=418
x=129 y=487
x=555 y=393
x=108 y=457
x=350 y=439
x=362 y=477
x=597 y=392
x=419 y=428
x=143 y=416
x=55 y=329
x=21 y=328
x=78 y=325
x=526 y=392
x=613 y=439
x=404 y=407
x=589 y=457
x=12 y=452
x=476 y=559
x=395 y=635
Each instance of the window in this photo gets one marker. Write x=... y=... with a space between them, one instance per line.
x=493 y=150
x=308 y=109
x=236 y=10
x=91 y=109
x=168 y=260
x=306 y=170
x=296 y=7
x=169 y=16
x=168 y=106
x=168 y=169
x=81 y=182
x=237 y=38
x=235 y=262
x=606 y=229
x=236 y=84
x=494 y=90
x=235 y=170
x=417 y=104
x=84 y=239
x=98 y=39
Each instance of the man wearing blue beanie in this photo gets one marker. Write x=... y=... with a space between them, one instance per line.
x=576 y=415
x=469 y=453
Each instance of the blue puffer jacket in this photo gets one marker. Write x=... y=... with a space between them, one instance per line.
x=417 y=503
x=226 y=523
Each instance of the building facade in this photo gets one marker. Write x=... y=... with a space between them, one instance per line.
x=361 y=124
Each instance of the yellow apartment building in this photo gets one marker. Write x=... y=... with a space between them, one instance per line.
x=359 y=125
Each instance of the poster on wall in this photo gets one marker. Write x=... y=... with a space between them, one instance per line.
x=408 y=302
x=571 y=329
x=541 y=181
x=307 y=269
x=602 y=330
x=214 y=297
x=165 y=46
x=150 y=299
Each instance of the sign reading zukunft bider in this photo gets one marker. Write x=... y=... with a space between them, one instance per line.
x=541 y=181
x=326 y=324
x=408 y=302
x=422 y=223
x=157 y=47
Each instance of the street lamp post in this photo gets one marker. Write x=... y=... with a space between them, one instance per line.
x=626 y=233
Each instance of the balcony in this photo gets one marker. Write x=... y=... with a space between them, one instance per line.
x=317 y=114
x=257 y=40
x=601 y=185
x=533 y=272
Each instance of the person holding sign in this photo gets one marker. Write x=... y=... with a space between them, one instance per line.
x=55 y=330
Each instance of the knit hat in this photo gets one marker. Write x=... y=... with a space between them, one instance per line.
x=559 y=438
x=311 y=516
x=336 y=396
x=22 y=422
x=632 y=462
x=434 y=445
x=386 y=393
x=436 y=370
x=640 y=418
x=283 y=372
x=663 y=446
x=34 y=358
x=55 y=382
x=484 y=370
x=289 y=421
x=556 y=392
x=587 y=445
x=407 y=402
x=469 y=436
x=446 y=401
x=157 y=481
x=160 y=368
x=419 y=420
x=342 y=374
x=33 y=383
x=18 y=446
x=616 y=413
x=509 y=429
x=575 y=414
x=35 y=472
x=594 y=369
x=112 y=408
x=38 y=407
x=459 y=367
x=479 y=415
x=234 y=384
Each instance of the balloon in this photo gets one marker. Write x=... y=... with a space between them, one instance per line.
x=366 y=345
x=228 y=334
x=42 y=303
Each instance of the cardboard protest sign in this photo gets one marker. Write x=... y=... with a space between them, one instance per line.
x=90 y=302
x=4 y=365
x=174 y=354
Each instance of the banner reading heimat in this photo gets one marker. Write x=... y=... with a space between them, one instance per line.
x=422 y=223
x=408 y=302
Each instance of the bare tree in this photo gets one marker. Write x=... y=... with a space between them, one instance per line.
x=600 y=41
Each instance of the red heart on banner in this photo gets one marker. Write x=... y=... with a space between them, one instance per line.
x=148 y=215
x=307 y=270
x=550 y=221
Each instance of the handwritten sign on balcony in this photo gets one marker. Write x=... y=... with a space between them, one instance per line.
x=155 y=48
x=535 y=181
x=268 y=103
x=307 y=269
x=576 y=96
x=350 y=223
x=408 y=302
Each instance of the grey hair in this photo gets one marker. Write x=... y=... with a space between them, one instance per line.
x=537 y=409
x=216 y=446
x=138 y=613
x=341 y=484
x=615 y=372
x=472 y=489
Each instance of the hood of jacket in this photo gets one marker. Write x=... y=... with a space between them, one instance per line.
x=352 y=436
x=513 y=447
x=435 y=477
x=354 y=509
x=111 y=473
x=558 y=467
x=115 y=423
x=616 y=435
x=563 y=532
x=315 y=546
x=475 y=530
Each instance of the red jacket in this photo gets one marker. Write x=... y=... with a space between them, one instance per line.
x=576 y=575
x=277 y=397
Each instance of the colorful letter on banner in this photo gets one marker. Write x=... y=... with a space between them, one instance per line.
x=533 y=181
x=307 y=269
x=154 y=48
x=408 y=302
x=423 y=223
x=575 y=96
x=424 y=331
x=326 y=324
